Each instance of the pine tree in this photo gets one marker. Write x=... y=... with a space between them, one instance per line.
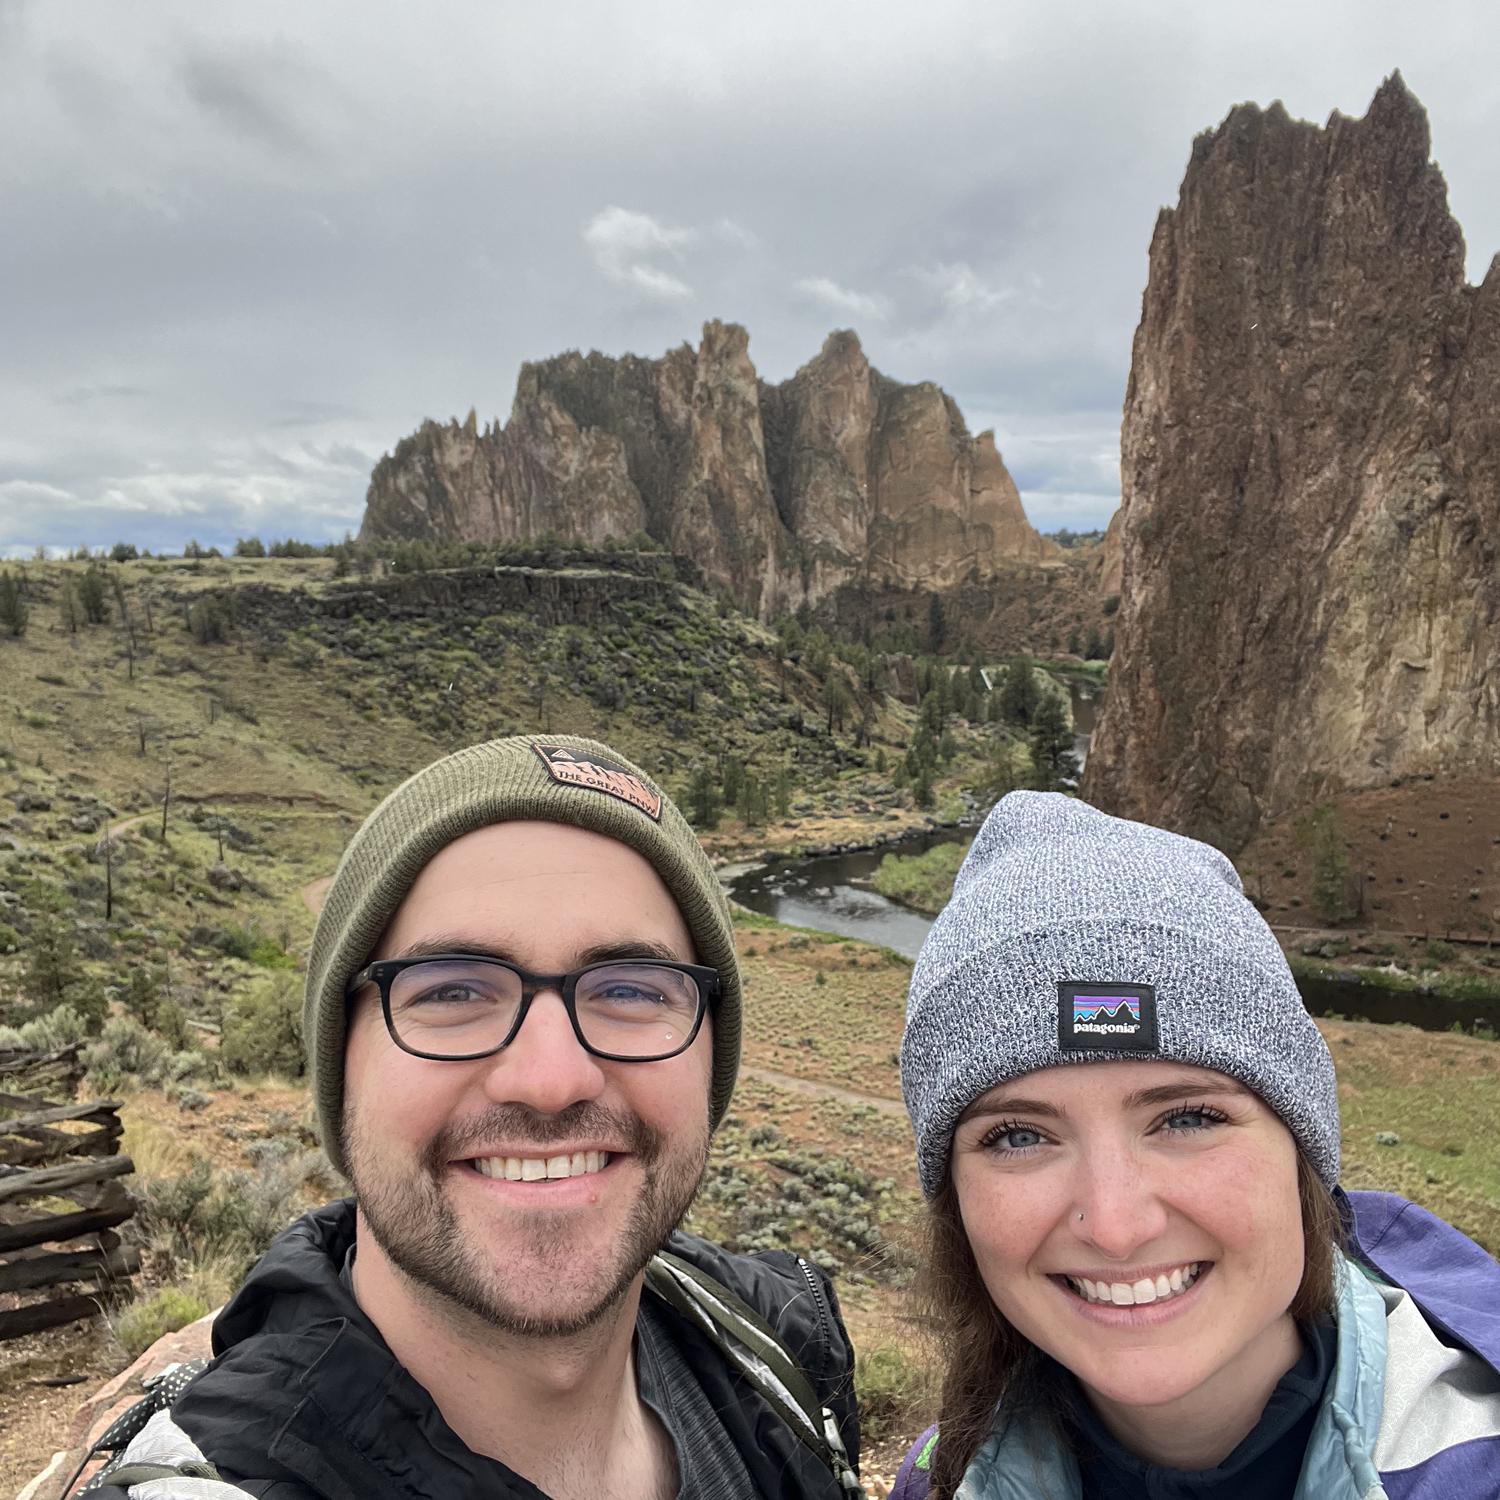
x=1021 y=695
x=703 y=798
x=1053 y=761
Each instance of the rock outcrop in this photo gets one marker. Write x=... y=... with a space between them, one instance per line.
x=780 y=494
x=1311 y=482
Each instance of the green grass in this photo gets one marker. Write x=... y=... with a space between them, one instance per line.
x=140 y=1323
x=922 y=881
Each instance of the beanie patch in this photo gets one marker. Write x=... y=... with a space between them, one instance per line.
x=596 y=774
x=1106 y=1018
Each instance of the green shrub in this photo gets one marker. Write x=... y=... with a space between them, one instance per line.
x=139 y=1324
x=252 y=946
x=263 y=1028
x=127 y=1053
x=60 y=1027
x=893 y=1393
x=200 y=1217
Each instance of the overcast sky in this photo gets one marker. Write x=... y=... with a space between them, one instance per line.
x=245 y=249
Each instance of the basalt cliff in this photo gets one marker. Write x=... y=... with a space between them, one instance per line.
x=779 y=493
x=1310 y=465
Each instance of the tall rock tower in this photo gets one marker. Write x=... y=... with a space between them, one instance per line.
x=1310 y=466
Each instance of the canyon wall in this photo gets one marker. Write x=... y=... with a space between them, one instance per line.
x=1310 y=465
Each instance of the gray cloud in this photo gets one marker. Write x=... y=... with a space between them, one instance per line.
x=247 y=251
x=630 y=248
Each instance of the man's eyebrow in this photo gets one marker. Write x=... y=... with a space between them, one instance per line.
x=598 y=953
x=630 y=948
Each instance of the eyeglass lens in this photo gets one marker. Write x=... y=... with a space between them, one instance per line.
x=454 y=1008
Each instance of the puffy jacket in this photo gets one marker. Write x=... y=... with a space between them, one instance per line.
x=304 y=1401
x=1411 y=1411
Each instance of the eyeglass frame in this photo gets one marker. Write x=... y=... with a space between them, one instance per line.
x=384 y=970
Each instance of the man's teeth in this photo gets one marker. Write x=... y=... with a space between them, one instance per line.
x=1134 y=1293
x=536 y=1168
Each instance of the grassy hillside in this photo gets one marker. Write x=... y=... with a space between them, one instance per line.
x=282 y=701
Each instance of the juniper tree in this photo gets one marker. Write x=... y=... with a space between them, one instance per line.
x=69 y=610
x=91 y=595
x=13 y=610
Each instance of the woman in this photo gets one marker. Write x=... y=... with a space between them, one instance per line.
x=1128 y=1132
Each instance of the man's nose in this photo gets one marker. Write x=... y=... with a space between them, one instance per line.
x=545 y=1066
x=1121 y=1204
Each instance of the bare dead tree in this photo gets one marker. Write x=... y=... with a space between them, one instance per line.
x=107 y=849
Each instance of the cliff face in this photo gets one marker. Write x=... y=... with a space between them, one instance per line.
x=780 y=494
x=1310 y=468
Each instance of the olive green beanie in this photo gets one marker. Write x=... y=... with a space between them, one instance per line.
x=549 y=778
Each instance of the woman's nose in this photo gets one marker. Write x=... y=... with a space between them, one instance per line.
x=1118 y=1207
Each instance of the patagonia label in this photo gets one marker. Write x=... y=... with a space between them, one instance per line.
x=1106 y=1017
x=578 y=768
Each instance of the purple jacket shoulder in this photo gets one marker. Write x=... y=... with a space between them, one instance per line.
x=1449 y=1277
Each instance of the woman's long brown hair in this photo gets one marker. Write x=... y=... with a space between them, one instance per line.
x=987 y=1363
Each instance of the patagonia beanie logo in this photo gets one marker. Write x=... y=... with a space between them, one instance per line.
x=576 y=768
x=1106 y=1017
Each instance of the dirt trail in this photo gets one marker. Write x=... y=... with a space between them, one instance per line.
x=795 y=1085
x=315 y=801
x=315 y=892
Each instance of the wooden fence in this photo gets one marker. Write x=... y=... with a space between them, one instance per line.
x=61 y=1197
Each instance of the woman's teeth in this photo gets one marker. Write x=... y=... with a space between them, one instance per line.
x=538 y=1168
x=1134 y=1293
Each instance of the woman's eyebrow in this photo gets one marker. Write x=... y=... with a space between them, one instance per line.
x=1162 y=1093
x=1007 y=1104
x=1175 y=1093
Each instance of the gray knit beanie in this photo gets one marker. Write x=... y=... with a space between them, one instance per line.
x=550 y=778
x=1076 y=937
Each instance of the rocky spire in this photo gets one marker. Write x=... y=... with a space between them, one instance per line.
x=1310 y=466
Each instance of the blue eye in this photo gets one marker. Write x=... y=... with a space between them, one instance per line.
x=1013 y=1139
x=1191 y=1118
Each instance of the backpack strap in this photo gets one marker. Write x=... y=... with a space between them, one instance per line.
x=162 y=1390
x=753 y=1347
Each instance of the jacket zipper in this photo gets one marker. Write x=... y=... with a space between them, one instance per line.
x=825 y=1316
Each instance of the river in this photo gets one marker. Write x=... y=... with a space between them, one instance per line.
x=832 y=893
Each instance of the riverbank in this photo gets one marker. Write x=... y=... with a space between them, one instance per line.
x=1385 y=977
x=922 y=882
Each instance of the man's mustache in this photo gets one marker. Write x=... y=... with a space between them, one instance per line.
x=518 y=1123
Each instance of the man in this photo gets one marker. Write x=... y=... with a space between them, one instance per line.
x=523 y=1023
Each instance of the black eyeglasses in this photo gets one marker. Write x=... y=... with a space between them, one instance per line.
x=454 y=1007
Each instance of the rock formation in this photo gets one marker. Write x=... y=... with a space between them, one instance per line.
x=780 y=493
x=1311 y=482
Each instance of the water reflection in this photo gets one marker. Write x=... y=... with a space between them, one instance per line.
x=833 y=894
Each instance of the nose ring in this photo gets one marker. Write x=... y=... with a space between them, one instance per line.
x=1080 y=1216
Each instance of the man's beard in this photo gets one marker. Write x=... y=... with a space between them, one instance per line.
x=413 y=1221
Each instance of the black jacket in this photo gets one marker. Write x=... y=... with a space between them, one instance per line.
x=304 y=1401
